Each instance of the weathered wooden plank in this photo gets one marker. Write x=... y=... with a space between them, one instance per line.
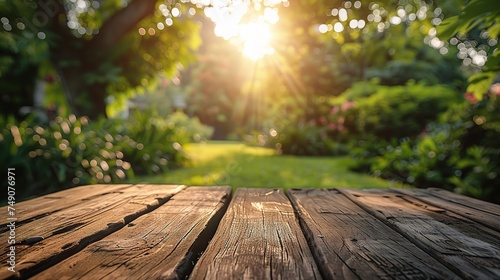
x=467 y=248
x=466 y=201
x=485 y=218
x=258 y=238
x=162 y=244
x=68 y=231
x=349 y=243
x=51 y=203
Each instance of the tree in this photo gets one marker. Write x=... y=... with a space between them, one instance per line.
x=483 y=17
x=14 y=70
x=323 y=47
x=98 y=48
x=215 y=93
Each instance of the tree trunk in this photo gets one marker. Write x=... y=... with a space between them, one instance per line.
x=74 y=57
x=83 y=99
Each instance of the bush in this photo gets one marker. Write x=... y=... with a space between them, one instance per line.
x=299 y=139
x=153 y=144
x=75 y=151
x=399 y=111
x=65 y=153
x=371 y=119
x=189 y=128
x=461 y=152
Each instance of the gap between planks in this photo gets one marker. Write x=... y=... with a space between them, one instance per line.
x=258 y=238
x=350 y=243
x=68 y=231
x=164 y=244
x=464 y=246
x=260 y=206
x=39 y=207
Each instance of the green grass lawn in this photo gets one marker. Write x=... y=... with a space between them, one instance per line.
x=238 y=165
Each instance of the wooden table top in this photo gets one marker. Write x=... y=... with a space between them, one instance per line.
x=178 y=232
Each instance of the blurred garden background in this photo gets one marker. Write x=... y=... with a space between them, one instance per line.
x=276 y=93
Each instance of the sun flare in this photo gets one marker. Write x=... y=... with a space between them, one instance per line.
x=256 y=39
x=253 y=38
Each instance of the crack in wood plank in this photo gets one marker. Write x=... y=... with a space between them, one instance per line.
x=28 y=211
x=163 y=244
x=467 y=248
x=96 y=214
x=258 y=238
x=354 y=244
x=442 y=201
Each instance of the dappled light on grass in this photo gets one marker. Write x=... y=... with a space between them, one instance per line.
x=237 y=165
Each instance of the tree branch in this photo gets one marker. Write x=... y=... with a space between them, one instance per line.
x=121 y=22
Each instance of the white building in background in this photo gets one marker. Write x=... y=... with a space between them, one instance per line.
x=167 y=97
x=38 y=97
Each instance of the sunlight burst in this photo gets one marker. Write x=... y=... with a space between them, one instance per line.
x=256 y=38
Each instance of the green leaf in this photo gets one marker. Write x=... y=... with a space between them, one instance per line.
x=448 y=28
x=493 y=63
x=476 y=78
x=473 y=14
x=494 y=30
x=478 y=7
x=480 y=83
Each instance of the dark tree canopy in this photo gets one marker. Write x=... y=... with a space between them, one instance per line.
x=95 y=49
x=99 y=48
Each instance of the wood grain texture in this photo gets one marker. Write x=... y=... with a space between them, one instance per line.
x=68 y=231
x=467 y=248
x=486 y=218
x=349 y=243
x=258 y=238
x=162 y=244
x=27 y=211
x=466 y=201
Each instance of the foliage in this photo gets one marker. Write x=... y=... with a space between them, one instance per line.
x=308 y=67
x=422 y=64
x=75 y=151
x=215 y=94
x=19 y=60
x=303 y=139
x=460 y=152
x=189 y=129
x=153 y=144
x=385 y=113
x=367 y=112
x=65 y=153
x=99 y=49
x=477 y=15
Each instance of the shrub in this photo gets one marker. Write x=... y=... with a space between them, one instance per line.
x=75 y=151
x=189 y=128
x=299 y=139
x=461 y=152
x=153 y=144
x=62 y=154
x=400 y=111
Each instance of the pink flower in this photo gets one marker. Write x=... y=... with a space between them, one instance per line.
x=495 y=89
x=164 y=82
x=341 y=120
x=348 y=105
x=322 y=120
x=470 y=97
x=334 y=110
x=332 y=126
